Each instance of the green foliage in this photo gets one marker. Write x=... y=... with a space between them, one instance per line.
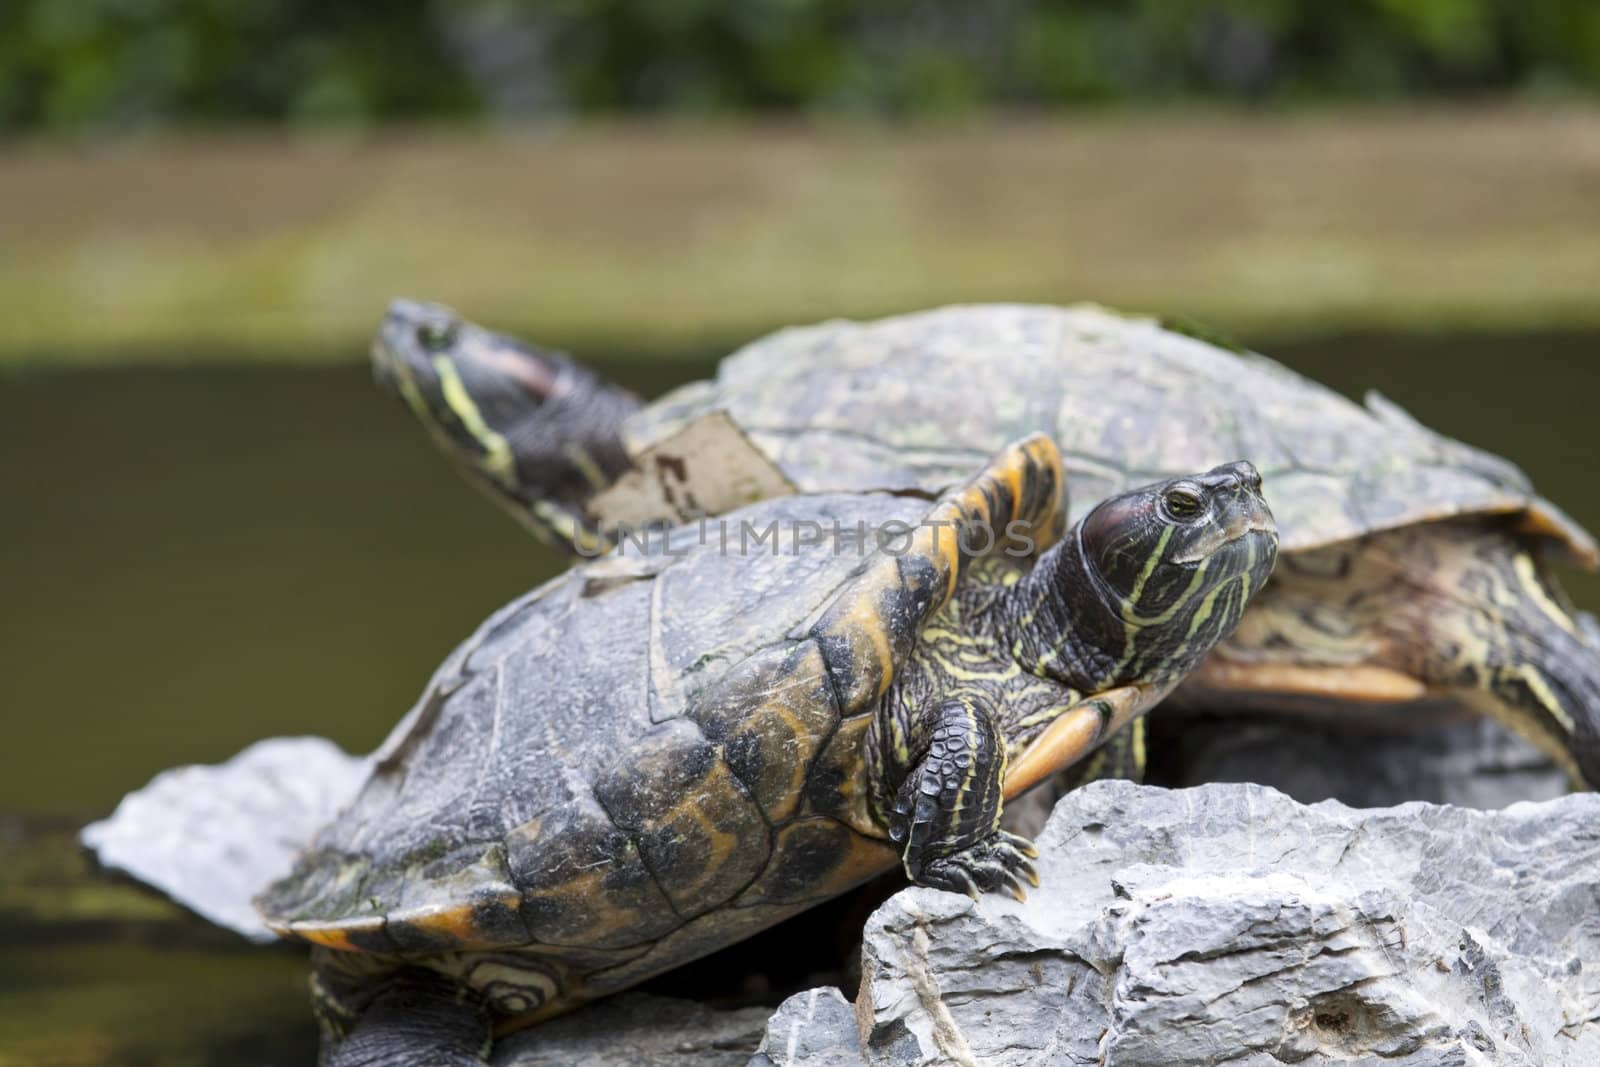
x=71 y=63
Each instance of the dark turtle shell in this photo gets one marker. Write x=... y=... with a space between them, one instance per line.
x=918 y=400
x=575 y=782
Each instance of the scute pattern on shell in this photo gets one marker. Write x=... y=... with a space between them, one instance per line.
x=495 y=820
x=919 y=400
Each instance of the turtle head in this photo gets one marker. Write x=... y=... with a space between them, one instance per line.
x=538 y=431
x=1167 y=570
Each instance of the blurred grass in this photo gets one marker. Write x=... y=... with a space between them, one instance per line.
x=663 y=237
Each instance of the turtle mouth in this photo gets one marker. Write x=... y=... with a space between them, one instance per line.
x=1253 y=528
x=383 y=366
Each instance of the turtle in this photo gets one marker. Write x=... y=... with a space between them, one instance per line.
x=1414 y=585
x=670 y=747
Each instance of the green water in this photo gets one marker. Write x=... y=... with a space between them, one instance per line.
x=193 y=559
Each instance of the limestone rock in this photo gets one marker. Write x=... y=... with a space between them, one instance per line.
x=1229 y=923
x=637 y=1030
x=212 y=837
x=816 y=1028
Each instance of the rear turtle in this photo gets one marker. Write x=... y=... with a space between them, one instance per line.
x=663 y=751
x=1413 y=583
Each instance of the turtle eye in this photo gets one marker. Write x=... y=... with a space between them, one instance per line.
x=1182 y=504
x=436 y=336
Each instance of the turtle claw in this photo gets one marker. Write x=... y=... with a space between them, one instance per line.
x=949 y=877
x=1022 y=845
x=1014 y=887
x=997 y=864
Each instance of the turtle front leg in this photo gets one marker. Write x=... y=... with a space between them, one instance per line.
x=946 y=812
x=415 y=1016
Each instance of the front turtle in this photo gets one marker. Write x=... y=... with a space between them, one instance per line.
x=659 y=753
x=1413 y=580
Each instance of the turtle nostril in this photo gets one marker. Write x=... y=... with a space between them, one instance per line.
x=1237 y=475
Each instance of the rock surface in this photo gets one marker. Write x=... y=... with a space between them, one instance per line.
x=816 y=1028
x=212 y=837
x=1229 y=923
x=1220 y=924
x=637 y=1030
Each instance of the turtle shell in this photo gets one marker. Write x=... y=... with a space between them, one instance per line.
x=917 y=400
x=615 y=803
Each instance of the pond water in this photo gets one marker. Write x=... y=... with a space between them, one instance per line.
x=195 y=558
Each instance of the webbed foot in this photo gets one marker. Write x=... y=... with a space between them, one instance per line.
x=946 y=815
x=999 y=863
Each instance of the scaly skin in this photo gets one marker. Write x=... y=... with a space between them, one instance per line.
x=1127 y=603
x=531 y=428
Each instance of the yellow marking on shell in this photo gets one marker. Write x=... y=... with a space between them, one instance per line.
x=457 y=925
x=1541 y=523
x=867 y=630
x=585 y=895
x=1013 y=479
x=972 y=504
x=799 y=760
x=866 y=858
x=497 y=460
x=329 y=935
x=1522 y=563
x=852 y=804
x=722 y=843
x=789 y=727
x=942 y=547
x=853 y=618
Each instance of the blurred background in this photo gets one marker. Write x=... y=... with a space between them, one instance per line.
x=214 y=528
